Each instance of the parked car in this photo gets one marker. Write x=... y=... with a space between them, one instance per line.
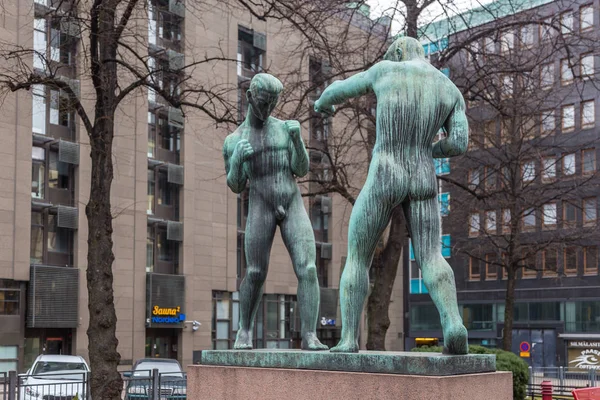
x=55 y=377
x=171 y=380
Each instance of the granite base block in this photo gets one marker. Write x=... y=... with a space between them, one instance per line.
x=241 y=383
x=387 y=362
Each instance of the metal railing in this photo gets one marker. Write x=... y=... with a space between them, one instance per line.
x=138 y=385
x=563 y=379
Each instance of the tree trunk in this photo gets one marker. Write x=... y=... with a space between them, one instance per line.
x=509 y=302
x=106 y=382
x=385 y=268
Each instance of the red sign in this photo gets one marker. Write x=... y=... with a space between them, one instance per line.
x=525 y=347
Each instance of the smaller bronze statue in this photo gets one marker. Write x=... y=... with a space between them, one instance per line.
x=269 y=153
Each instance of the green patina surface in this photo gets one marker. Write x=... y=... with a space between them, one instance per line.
x=414 y=102
x=404 y=363
x=476 y=17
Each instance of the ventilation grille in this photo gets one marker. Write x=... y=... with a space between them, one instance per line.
x=164 y=291
x=68 y=152
x=67 y=217
x=329 y=303
x=175 y=231
x=52 y=297
x=175 y=174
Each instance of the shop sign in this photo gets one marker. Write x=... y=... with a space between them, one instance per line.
x=163 y=315
x=327 y=321
x=584 y=355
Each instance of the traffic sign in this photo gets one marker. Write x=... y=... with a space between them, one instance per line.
x=525 y=354
x=525 y=347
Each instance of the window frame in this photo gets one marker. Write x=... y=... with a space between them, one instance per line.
x=530 y=212
x=563 y=165
x=589 y=6
x=588 y=124
x=506 y=222
x=567 y=29
x=592 y=270
x=491 y=224
x=583 y=70
x=545 y=168
x=583 y=164
x=546 y=272
x=586 y=221
x=531 y=176
x=472 y=276
x=570 y=271
x=529 y=273
x=566 y=72
x=544 y=216
x=569 y=224
x=474 y=224
x=490 y=258
x=564 y=128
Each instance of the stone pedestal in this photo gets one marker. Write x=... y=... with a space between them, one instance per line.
x=244 y=383
x=296 y=374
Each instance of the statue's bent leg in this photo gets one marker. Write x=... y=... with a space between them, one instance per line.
x=299 y=239
x=370 y=216
x=260 y=230
x=425 y=232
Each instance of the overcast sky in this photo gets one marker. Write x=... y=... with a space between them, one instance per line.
x=433 y=12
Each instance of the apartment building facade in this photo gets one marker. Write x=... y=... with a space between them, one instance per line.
x=546 y=162
x=178 y=230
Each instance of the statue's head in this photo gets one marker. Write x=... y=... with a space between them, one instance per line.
x=403 y=49
x=263 y=95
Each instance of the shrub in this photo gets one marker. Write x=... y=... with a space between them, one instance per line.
x=505 y=361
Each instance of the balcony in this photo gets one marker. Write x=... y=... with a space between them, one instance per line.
x=53 y=297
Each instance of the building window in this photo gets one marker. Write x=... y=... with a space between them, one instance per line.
x=490 y=222
x=506 y=88
x=490 y=179
x=588 y=114
x=566 y=72
x=225 y=322
x=569 y=215
x=506 y=220
x=546 y=29
x=491 y=269
x=39 y=43
x=474 y=225
x=489 y=133
x=590 y=260
x=506 y=130
x=566 y=23
x=444 y=200
x=528 y=171
x=587 y=66
x=151 y=191
x=39 y=109
x=568 y=118
x=507 y=40
x=589 y=211
x=9 y=358
x=529 y=265
x=474 y=269
x=548 y=169
x=150 y=243
x=424 y=317
x=547 y=76
x=570 y=261
x=550 y=262
x=549 y=216
x=442 y=166
x=10 y=298
x=473 y=178
x=250 y=57
x=548 y=122
x=588 y=160
x=489 y=47
x=526 y=36
x=569 y=164
x=446 y=247
x=529 y=219
x=50 y=244
x=586 y=17
x=38 y=173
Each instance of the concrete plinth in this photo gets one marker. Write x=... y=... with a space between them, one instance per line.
x=237 y=383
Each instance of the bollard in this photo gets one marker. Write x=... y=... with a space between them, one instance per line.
x=546 y=390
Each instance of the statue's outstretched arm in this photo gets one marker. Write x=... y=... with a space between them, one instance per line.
x=457 y=141
x=234 y=155
x=340 y=91
x=299 y=156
